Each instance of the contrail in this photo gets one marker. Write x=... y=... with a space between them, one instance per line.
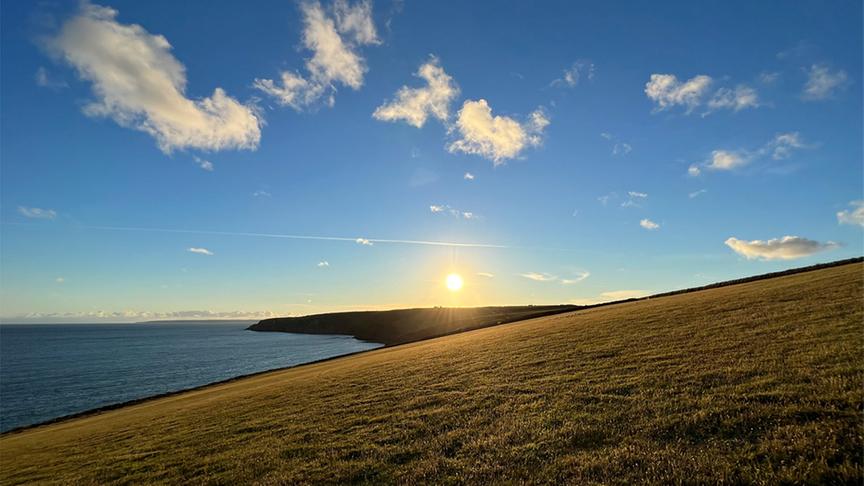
x=363 y=240
x=295 y=237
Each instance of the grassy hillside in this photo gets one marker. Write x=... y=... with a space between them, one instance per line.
x=758 y=382
x=407 y=325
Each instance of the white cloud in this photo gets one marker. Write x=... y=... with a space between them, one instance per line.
x=440 y=208
x=135 y=315
x=46 y=81
x=633 y=199
x=725 y=160
x=334 y=39
x=736 y=100
x=783 y=144
x=618 y=147
x=363 y=241
x=323 y=264
x=769 y=77
x=60 y=280
x=468 y=176
x=823 y=83
x=621 y=148
x=139 y=84
x=37 y=213
x=780 y=147
x=697 y=193
x=785 y=248
x=604 y=200
x=294 y=90
x=852 y=216
x=204 y=164
x=356 y=21
x=485 y=274
x=648 y=224
x=624 y=294
x=476 y=130
x=539 y=277
x=574 y=74
x=496 y=137
x=261 y=193
x=333 y=42
x=667 y=91
x=200 y=251
x=415 y=105
x=801 y=49
x=578 y=278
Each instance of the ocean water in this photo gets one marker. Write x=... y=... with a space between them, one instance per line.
x=51 y=370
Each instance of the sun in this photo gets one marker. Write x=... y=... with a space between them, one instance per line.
x=454 y=282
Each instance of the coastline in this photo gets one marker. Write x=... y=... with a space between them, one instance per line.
x=127 y=403
x=609 y=387
x=137 y=401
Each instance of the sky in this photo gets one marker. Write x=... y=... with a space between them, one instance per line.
x=168 y=160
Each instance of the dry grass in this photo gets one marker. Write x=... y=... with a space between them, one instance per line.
x=758 y=383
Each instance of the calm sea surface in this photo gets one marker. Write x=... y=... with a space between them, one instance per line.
x=47 y=371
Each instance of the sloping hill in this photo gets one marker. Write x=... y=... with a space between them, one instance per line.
x=758 y=383
x=407 y=325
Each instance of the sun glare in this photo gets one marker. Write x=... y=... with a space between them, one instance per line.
x=454 y=282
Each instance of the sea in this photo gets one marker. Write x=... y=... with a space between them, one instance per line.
x=51 y=370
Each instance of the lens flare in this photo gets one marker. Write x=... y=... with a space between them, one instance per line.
x=454 y=282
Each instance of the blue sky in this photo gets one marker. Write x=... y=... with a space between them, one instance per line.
x=158 y=159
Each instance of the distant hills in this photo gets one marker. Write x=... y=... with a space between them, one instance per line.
x=407 y=325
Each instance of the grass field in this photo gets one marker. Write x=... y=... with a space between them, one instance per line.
x=759 y=383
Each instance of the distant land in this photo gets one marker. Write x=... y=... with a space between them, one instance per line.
x=199 y=321
x=749 y=383
x=402 y=326
x=406 y=325
x=173 y=321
